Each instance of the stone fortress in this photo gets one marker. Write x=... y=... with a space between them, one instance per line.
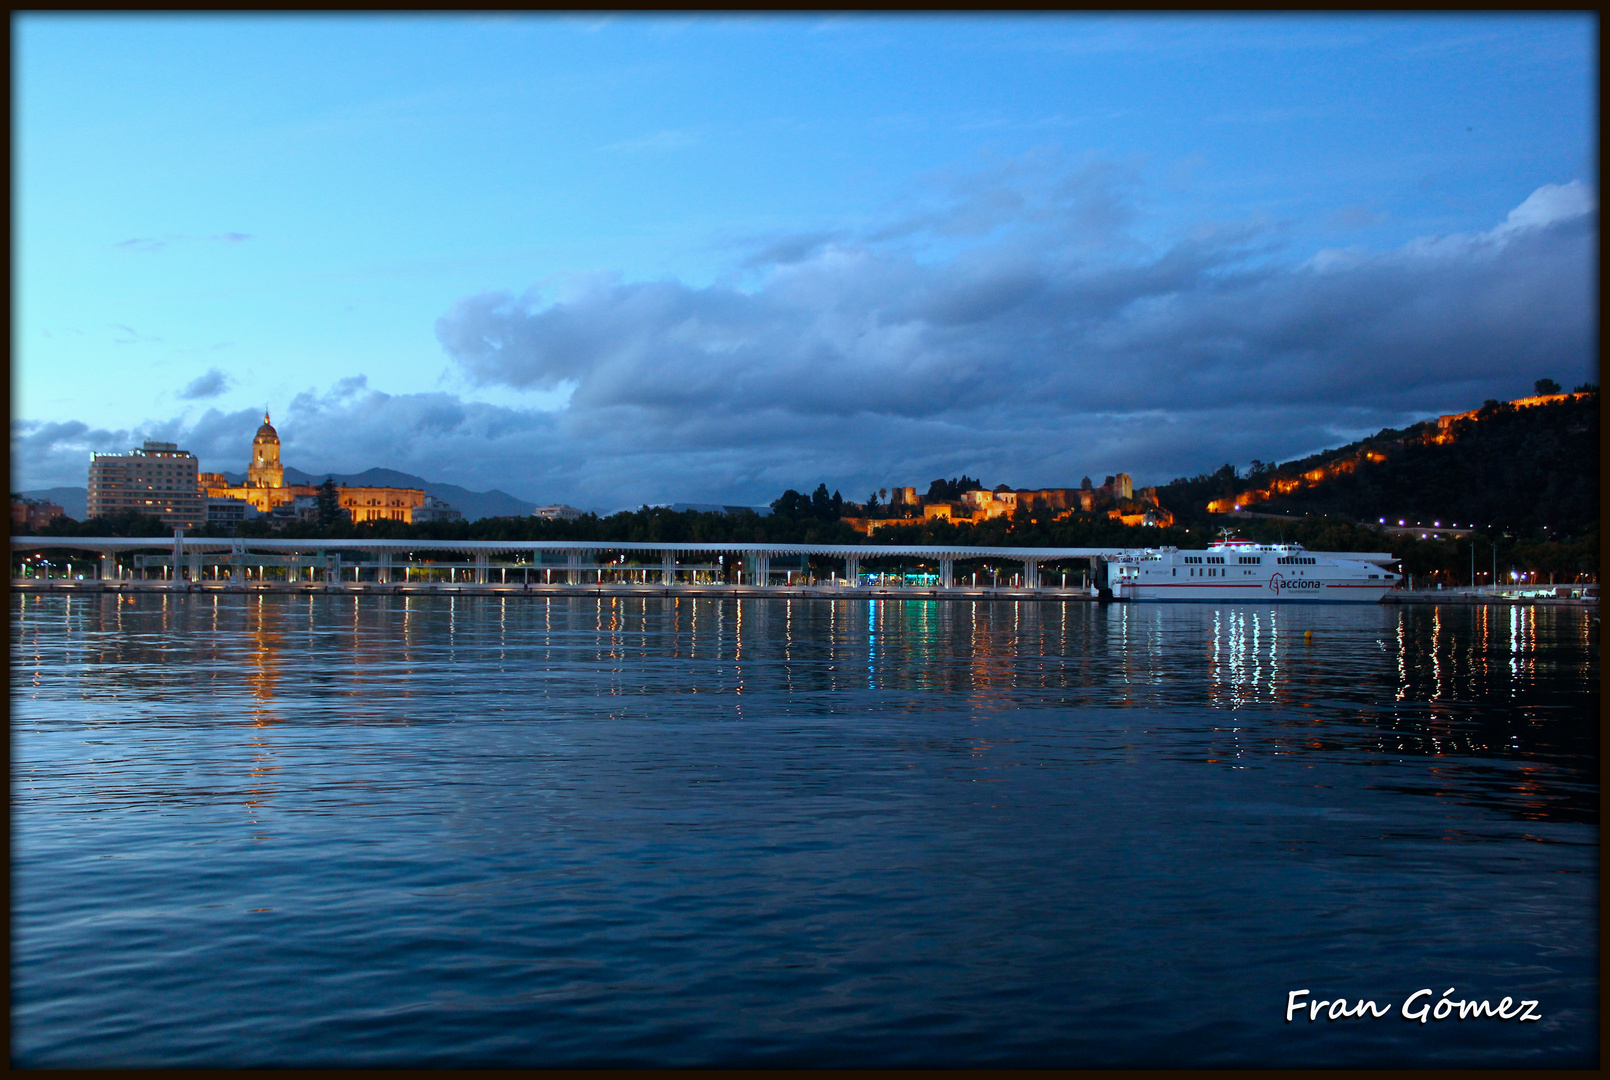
x=1118 y=497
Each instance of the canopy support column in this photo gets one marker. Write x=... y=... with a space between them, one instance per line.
x=947 y=573
x=178 y=560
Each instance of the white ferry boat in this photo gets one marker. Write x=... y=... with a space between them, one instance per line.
x=1236 y=569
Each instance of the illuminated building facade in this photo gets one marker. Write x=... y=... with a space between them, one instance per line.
x=266 y=490
x=30 y=514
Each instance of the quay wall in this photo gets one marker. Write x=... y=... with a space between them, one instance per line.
x=768 y=592
x=771 y=592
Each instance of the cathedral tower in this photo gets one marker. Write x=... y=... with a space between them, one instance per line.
x=265 y=469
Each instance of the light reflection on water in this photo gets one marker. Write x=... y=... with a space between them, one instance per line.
x=480 y=830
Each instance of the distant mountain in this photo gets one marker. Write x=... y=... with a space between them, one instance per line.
x=74 y=501
x=472 y=504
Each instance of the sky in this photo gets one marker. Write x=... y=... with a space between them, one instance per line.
x=616 y=261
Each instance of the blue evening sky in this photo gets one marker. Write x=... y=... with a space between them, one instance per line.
x=624 y=260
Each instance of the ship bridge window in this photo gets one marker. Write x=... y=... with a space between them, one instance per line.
x=1253 y=560
x=1215 y=558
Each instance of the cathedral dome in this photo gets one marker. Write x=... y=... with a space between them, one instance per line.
x=267 y=431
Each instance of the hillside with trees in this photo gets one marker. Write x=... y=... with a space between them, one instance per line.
x=1529 y=472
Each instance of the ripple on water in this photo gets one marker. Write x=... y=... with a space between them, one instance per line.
x=292 y=830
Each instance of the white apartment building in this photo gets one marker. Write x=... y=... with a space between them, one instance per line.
x=157 y=479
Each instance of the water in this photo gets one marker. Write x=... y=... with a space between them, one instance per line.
x=296 y=830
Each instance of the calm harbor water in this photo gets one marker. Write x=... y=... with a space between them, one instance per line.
x=330 y=830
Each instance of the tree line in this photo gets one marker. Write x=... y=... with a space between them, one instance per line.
x=1447 y=561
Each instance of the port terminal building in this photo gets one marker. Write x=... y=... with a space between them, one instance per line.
x=499 y=565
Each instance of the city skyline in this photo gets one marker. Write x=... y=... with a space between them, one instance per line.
x=632 y=260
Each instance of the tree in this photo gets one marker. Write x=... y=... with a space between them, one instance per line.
x=872 y=504
x=1546 y=386
x=943 y=490
x=124 y=523
x=329 y=503
x=791 y=504
x=1086 y=485
x=822 y=504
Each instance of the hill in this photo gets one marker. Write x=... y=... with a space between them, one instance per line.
x=1527 y=468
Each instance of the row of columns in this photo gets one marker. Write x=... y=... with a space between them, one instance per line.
x=758 y=570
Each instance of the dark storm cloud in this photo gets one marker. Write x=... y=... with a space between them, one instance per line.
x=1205 y=324
x=1032 y=330
x=208 y=385
x=57 y=454
x=1056 y=343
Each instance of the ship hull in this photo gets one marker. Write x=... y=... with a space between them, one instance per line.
x=1211 y=593
x=1239 y=571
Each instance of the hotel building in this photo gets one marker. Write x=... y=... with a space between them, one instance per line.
x=158 y=479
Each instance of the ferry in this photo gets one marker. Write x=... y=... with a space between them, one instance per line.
x=1235 y=569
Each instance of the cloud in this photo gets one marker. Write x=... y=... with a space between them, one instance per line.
x=858 y=327
x=1030 y=325
x=790 y=249
x=1026 y=304
x=147 y=245
x=131 y=336
x=1549 y=204
x=150 y=245
x=57 y=454
x=208 y=385
x=1355 y=217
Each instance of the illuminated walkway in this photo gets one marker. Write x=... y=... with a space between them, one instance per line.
x=531 y=565
x=526 y=562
